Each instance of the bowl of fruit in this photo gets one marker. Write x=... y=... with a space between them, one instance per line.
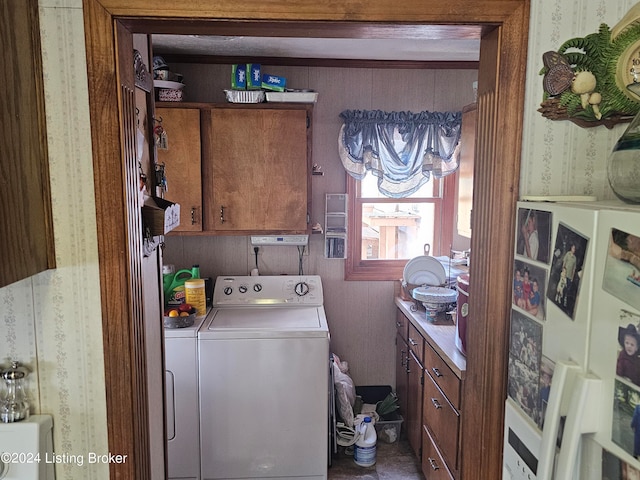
x=179 y=316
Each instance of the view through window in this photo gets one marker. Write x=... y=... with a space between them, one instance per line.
x=385 y=232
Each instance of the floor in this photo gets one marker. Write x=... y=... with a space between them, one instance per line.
x=394 y=461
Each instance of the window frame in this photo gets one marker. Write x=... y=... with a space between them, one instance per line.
x=374 y=270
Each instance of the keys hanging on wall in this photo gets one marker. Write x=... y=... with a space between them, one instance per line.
x=160 y=135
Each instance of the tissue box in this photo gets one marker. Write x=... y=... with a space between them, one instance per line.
x=160 y=216
x=254 y=76
x=239 y=76
x=273 y=82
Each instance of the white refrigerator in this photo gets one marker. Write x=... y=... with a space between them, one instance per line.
x=574 y=348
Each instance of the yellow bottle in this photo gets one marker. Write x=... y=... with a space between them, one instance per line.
x=195 y=295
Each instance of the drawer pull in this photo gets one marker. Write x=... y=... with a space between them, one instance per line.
x=436 y=403
x=221 y=213
x=398 y=324
x=436 y=372
x=193 y=215
x=434 y=464
x=413 y=342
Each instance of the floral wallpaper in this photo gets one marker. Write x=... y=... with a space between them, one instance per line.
x=52 y=321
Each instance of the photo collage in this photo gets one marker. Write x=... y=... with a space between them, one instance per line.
x=545 y=270
x=547 y=273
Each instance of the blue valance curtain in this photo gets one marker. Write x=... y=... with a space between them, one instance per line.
x=402 y=149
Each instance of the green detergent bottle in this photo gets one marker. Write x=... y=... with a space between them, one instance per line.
x=173 y=285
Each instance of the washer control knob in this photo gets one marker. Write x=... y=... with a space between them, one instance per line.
x=257 y=287
x=301 y=289
x=242 y=289
x=228 y=290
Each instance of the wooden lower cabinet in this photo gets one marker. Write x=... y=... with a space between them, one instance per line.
x=434 y=395
x=442 y=420
x=414 y=403
x=442 y=404
x=433 y=466
x=402 y=381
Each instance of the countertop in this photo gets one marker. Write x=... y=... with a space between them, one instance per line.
x=440 y=337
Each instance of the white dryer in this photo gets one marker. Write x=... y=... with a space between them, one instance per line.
x=263 y=354
x=183 y=415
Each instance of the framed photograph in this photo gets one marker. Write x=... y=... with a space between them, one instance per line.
x=569 y=253
x=529 y=287
x=534 y=234
x=626 y=417
x=525 y=356
x=628 y=355
x=622 y=267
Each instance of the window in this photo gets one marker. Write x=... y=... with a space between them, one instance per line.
x=384 y=233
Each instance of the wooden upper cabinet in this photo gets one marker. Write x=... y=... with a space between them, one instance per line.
x=26 y=230
x=256 y=168
x=182 y=163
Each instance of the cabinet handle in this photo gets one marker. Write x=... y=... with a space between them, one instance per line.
x=408 y=369
x=221 y=213
x=412 y=342
x=436 y=403
x=404 y=358
x=398 y=324
x=193 y=215
x=436 y=372
x=434 y=464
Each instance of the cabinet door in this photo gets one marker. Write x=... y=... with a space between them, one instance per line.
x=257 y=170
x=182 y=161
x=402 y=353
x=26 y=234
x=414 y=406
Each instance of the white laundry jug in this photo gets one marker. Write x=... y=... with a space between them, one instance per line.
x=364 y=453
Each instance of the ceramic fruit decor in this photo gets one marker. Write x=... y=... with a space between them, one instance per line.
x=587 y=79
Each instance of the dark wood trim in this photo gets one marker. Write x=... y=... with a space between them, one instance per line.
x=318 y=62
x=501 y=76
x=113 y=240
x=278 y=27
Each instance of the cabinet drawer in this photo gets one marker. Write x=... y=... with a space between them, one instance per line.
x=416 y=343
x=444 y=377
x=442 y=420
x=433 y=466
x=402 y=325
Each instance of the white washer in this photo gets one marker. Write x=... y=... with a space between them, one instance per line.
x=263 y=360
x=183 y=417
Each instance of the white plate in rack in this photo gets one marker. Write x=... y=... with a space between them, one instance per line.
x=424 y=270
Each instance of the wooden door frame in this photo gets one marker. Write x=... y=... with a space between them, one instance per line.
x=501 y=83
